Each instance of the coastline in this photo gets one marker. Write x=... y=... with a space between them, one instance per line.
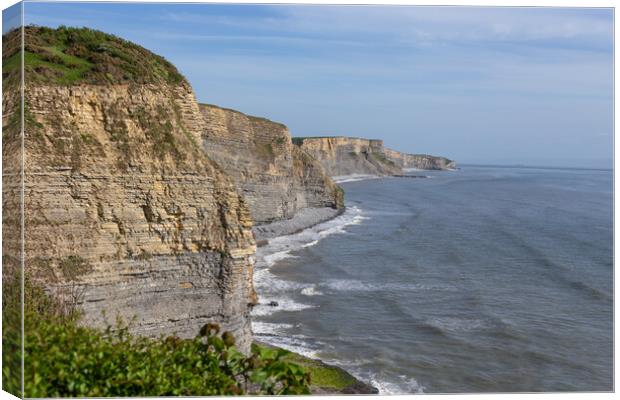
x=328 y=379
x=304 y=219
x=355 y=177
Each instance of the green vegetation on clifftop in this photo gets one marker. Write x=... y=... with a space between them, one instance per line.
x=69 y=56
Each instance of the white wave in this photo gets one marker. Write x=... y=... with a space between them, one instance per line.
x=353 y=178
x=280 y=247
x=344 y=285
x=412 y=169
x=268 y=284
x=310 y=291
x=299 y=344
x=352 y=285
x=405 y=385
x=312 y=243
x=451 y=324
x=271 y=259
x=284 y=304
x=358 y=219
x=272 y=288
x=400 y=384
x=268 y=328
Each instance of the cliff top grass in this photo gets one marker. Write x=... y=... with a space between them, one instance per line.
x=72 y=56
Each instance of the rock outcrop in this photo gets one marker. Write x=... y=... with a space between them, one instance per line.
x=276 y=178
x=124 y=211
x=419 y=161
x=349 y=155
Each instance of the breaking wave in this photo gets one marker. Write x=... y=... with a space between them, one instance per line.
x=273 y=290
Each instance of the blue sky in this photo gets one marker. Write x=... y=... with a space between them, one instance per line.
x=11 y=17
x=479 y=85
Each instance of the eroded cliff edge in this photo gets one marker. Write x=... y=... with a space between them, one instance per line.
x=351 y=155
x=278 y=180
x=122 y=204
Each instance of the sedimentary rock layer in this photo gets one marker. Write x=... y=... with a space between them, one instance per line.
x=419 y=161
x=349 y=155
x=276 y=178
x=126 y=214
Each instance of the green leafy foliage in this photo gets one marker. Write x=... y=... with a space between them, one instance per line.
x=65 y=359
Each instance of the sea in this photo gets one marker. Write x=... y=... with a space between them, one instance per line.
x=485 y=279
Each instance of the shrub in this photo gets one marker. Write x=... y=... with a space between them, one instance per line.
x=64 y=359
x=69 y=360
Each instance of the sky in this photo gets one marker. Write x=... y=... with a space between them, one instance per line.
x=11 y=17
x=530 y=86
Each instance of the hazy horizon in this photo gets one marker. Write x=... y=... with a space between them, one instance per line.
x=500 y=86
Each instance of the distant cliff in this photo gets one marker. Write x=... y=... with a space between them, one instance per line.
x=350 y=155
x=276 y=178
x=122 y=204
x=419 y=161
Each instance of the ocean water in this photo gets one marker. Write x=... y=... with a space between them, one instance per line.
x=485 y=279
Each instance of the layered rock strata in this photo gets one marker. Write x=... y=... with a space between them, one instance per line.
x=342 y=156
x=276 y=178
x=348 y=155
x=419 y=161
x=125 y=214
x=12 y=220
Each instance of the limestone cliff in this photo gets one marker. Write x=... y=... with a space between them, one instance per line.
x=276 y=178
x=11 y=221
x=350 y=155
x=124 y=211
x=419 y=161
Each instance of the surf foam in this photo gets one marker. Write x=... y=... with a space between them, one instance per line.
x=353 y=178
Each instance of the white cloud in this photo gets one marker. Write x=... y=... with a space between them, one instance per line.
x=428 y=24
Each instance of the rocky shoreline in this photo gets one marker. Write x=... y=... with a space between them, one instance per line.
x=303 y=219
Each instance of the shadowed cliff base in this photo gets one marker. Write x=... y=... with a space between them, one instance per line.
x=305 y=218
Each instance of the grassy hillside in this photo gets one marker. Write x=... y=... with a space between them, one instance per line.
x=69 y=56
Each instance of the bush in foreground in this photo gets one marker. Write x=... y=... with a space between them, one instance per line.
x=64 y=359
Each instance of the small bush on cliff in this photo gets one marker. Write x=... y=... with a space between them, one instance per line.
x=64 y=359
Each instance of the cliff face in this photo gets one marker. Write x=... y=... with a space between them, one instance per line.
x=276 y=178
x=347 y=155
x=419 y=161
x=124 y=211
x=11 y=220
